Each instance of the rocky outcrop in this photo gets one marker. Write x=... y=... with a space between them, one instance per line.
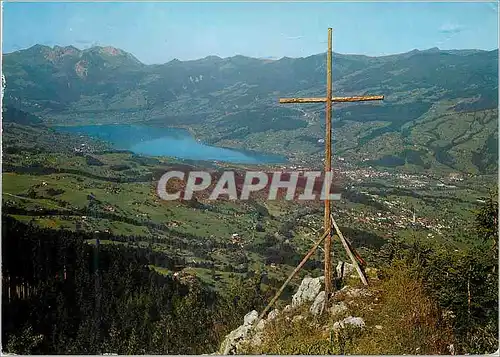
x=345 y=270
x=273 y=314
x=81 y=68
x=308 y=290
x=318 y=304
x=233 y=341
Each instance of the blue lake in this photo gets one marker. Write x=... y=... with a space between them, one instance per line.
x=153 y=141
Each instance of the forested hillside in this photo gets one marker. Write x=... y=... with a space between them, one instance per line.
x=64 y=292
x=439 y=113
x=65 y=295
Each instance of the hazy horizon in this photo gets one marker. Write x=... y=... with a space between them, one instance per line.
x=159 y=32
x=261 y=58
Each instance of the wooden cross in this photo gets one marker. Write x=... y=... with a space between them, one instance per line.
x=328 y=148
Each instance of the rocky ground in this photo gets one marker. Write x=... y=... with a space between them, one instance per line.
x=307 y=307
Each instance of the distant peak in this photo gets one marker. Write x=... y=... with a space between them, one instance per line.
x=109 y=50
x=55 y=50
x=52 y=54
x=70 y=47
x=429 y=50
x=37 y=47
x=213 y=58
x=238 y=58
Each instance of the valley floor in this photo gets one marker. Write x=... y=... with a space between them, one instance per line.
x=115 y=193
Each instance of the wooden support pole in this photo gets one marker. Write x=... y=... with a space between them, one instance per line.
x=328 y=167
x=290 y=277
x=356 y=254
x=349 y=252
x=367 y=98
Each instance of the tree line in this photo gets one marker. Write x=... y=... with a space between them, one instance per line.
x=64 y=296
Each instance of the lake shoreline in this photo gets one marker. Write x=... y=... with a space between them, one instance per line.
x=179 y=142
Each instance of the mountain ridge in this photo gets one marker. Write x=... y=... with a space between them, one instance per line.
x=233 y=101
x=93 y=48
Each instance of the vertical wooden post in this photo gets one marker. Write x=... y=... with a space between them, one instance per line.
x=329 y=99
x=328 y=165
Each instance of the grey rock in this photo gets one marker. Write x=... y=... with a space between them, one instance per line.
x=356 y=321
x=353 y=321
x=348 y=270
x=273 y=314
x=338 y=309
x=260 y=326
x=308 y=290
x=234 y=339
x=250 y=317
x=256 y=335
x=318 y=304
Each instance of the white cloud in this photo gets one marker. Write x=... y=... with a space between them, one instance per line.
x=451 y=28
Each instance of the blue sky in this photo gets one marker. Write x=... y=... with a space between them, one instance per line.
x=157 y=32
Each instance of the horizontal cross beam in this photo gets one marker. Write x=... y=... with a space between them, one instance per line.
x=334 y=99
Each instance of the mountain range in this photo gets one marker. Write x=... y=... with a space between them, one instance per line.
x=440 y=110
